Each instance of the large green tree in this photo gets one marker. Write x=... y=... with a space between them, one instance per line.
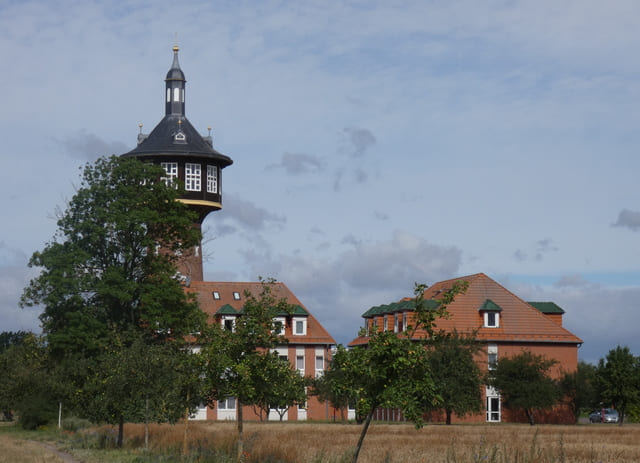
x=110 y=274
x=235 y=358
x=618 y=379
x=393 y=369
x=524 y=383
x=579 y=388
x=456 y=374
x=111 y=266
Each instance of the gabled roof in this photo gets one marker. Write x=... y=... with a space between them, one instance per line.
x=228 y=304
x=519 y=320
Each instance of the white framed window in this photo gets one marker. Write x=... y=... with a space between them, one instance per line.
x=216 y=295
x=300 y=326
x=227 y=404
x=212 y=179
x=168 y=95
x=395 y=322
x=492 y=356
x=176 y=94
x=404 y=322
x=282 y=352
x=385 y=323
x=492 y=319
x=493 y=405
x=300 y=360
x=192 y=177
x=319 y=362
x=278 y=325
x=171 y=172
x=229 y=322
x=236 y=295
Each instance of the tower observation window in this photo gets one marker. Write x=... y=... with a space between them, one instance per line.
x=192 y=177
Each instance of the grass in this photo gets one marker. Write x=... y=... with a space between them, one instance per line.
x=333 y=443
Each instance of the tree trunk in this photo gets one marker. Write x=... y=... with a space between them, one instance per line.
x=239 y=425
x=530 y=416
x=120 y=432
x=362 y=434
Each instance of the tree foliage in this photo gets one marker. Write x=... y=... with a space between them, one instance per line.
x=115 y=315
x=579 y=388
x=456 y=374
x=392 y=370
x=238 y=360
x=102 y=272
x=618 y=379
x=524 y=383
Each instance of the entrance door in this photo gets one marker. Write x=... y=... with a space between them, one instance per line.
x=493 y=405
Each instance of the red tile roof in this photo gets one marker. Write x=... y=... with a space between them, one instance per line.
x=519 y=321
x=316 y=334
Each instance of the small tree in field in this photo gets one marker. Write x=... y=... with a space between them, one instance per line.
x=579 y=388
x=393 y=369
x=618 y=379
x=235 y=358
x=524 y=384
x=456 y=375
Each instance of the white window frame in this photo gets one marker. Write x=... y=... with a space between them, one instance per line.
x=492 y=356
x=236 y=295
x=192 y=176
x=300 y=360
x=302 y=320
x=404 y=321
x=319 y=358
x=212 y=179
x=496 y=319
x=232 y=319
x=228 y=403
x=385 y=323
x=283 y=323
x=171 y=172
x=395 y=322
x=493 y=405
x=216 y=295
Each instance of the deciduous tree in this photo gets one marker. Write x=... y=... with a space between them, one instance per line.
x=524 y=383
x=234 y=358
x=457 y=377
x=618 y=379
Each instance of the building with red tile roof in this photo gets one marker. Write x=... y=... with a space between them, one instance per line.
x=504 y=323
x=309 y=348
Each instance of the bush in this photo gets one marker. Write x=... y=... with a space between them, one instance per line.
x=74 y=424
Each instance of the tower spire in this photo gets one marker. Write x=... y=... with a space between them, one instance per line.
x=175 y=87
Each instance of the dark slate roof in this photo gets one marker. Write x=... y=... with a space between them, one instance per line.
x=547 y=307
x=161 y=142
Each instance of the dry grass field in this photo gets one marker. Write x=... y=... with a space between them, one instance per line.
x=309 y=442
x=333 y=443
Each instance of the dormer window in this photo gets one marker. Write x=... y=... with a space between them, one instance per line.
x=491 y=319
x=278 y=325
x=491 y=314
x=180 y=138
x=300 y=326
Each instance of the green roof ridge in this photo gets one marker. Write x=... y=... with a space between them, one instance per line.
x=489 y=306
x=547 y=307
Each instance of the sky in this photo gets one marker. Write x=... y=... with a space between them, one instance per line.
x=375 y=143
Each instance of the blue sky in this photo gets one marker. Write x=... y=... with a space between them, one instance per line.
x=375 y=144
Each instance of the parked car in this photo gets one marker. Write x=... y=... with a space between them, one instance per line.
x=610 y=416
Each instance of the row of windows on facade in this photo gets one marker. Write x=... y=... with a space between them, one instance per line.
x=299 y=325
x=230 y=402
x=491 y=320
x=192 y=176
